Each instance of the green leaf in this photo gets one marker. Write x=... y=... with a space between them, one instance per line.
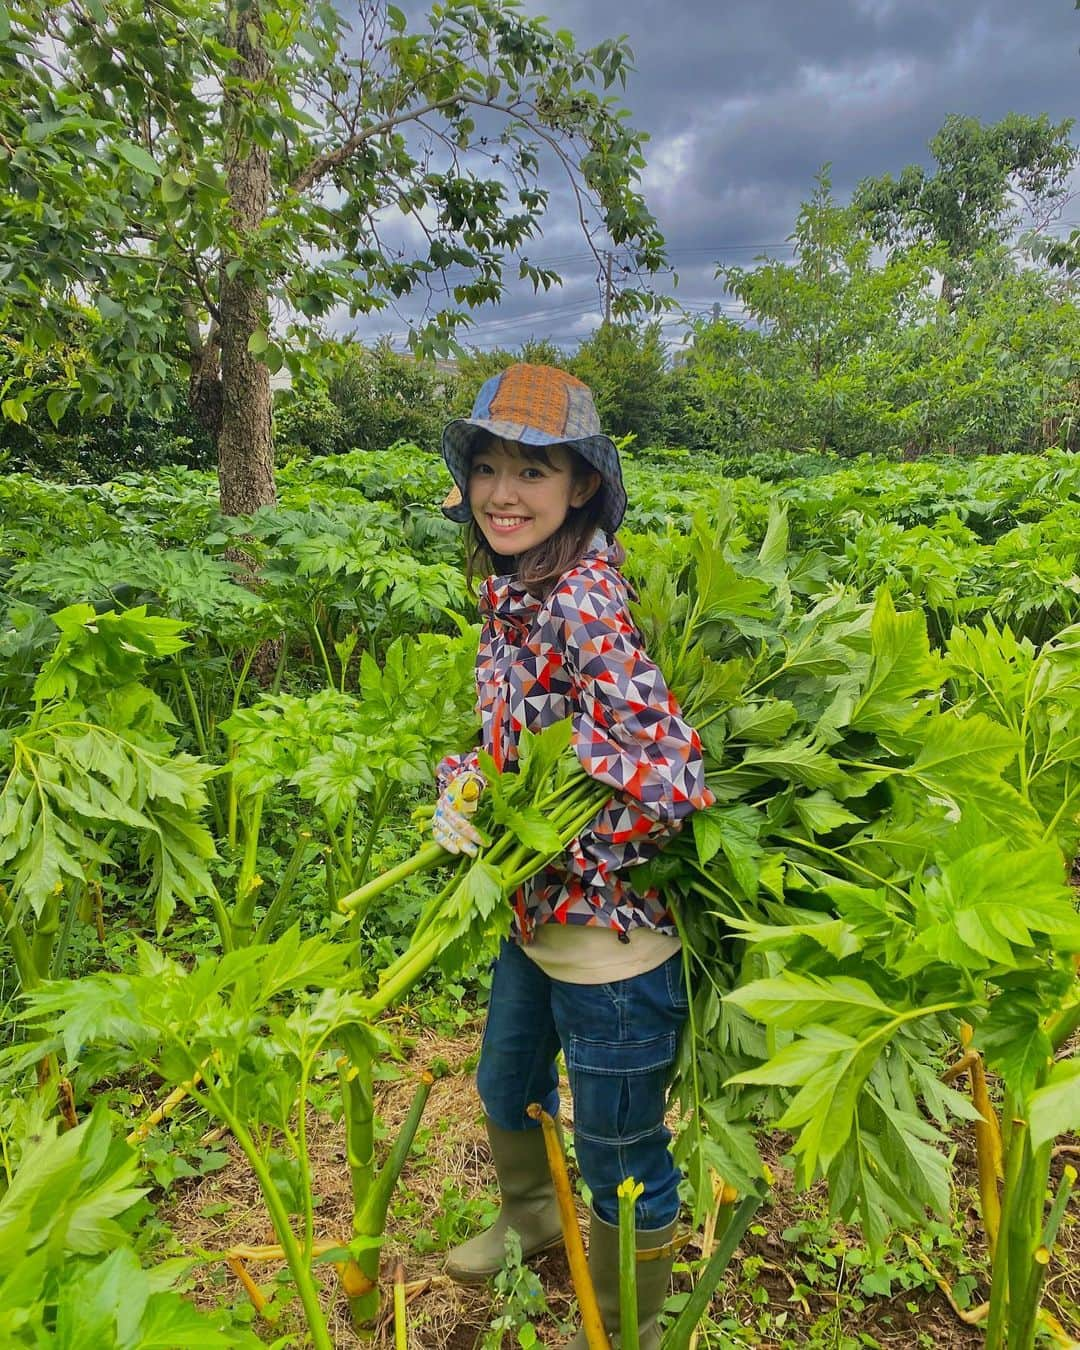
x=821 y=813
x=137 y=157
x=174 y=187
x=1055 y=1108
x=793 y=1000
x=530 y=827
x=796 y=761
x=766 y=722
x=962 y=759
x=988 y=907
x=57 y=404
x=901 y=667
x=484 y=889
x=258 y=342
x=1014 y=1042
x=736 y=830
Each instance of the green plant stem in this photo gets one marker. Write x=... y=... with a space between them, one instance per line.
x=373 y=1215
x=313 y=629
x=246 y=887
x=46 y=929
x=628 y=1309
x=20 y=947
x=1024 y=1269
x=431 y=855
x=201 y=742
x=360 y=875
x=245 y=670
x=434 y=907
x=536 y=861
x=402 y=975
x=359 y=1106
x=56 y=964
x=213 y=1103
x=1033 y=1297
x=401 y=1333
x=999 y=1279
x=679 y=1334
x=840 y=860
x=279 y=670
x=266 y=926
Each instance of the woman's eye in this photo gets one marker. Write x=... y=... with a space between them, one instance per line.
x=532 y=474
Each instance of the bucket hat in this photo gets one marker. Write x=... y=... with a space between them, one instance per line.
x=535 y=405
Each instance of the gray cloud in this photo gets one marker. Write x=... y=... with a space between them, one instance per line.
x=745 y=103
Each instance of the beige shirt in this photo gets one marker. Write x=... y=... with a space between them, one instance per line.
x=592 y=954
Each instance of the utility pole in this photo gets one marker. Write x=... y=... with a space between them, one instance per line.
x=716 y=312
x=607 y=289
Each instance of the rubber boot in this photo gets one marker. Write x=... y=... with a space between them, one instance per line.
x=528 y=1206
x=653 y=1281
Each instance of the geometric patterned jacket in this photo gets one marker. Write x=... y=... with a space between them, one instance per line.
x=577 y=652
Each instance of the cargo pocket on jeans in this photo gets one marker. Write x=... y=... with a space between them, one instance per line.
x=619 y=1088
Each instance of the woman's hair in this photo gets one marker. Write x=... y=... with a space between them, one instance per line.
x=539 y=568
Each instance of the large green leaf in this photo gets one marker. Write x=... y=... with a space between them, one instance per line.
x=1054 y=1109
x=992 y=907
x=901 y=668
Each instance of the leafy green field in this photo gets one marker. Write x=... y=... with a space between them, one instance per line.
x=884 y=663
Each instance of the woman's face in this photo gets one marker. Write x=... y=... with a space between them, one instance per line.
x=518 y=503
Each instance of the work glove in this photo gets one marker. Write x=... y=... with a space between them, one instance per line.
x=451 y=825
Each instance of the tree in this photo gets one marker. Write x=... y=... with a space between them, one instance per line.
x=211 y=179
x=626 y=368
x=970 y=203
x=807 y=373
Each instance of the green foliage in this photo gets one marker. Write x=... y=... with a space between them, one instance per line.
x=848 y=355
x=123 y=179
x=970 y=201
x=93 y=758
x=69 y=1276
x=882 y=663
x=625 y=367
x=366 y=398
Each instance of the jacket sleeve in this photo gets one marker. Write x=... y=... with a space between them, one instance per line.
x=628 y=729
x=450 y=766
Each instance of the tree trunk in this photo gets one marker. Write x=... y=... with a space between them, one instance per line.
x=245 y=449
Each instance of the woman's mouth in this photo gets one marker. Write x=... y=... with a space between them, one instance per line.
x=507 y=524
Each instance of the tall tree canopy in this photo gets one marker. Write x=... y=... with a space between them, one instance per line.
x=208 y=179
x=973 y=199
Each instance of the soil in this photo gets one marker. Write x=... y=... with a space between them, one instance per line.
x=761 y=1290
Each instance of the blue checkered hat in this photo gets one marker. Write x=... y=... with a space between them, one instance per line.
x=535 y=405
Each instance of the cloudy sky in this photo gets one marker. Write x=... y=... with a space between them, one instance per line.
x=745 y=102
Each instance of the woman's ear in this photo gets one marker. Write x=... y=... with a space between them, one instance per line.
x=585 y=488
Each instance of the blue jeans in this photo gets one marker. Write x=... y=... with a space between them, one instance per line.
x=620 y=1041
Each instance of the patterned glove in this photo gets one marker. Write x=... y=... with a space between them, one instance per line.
x=451 y=825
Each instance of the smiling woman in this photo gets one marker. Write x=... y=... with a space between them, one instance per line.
x=521 y=495
x=535 y=455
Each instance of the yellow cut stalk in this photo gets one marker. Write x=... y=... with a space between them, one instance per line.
x=591 y=1321
x=162 y=1112
x=254 y=1293
x=401 y=1334
x=988 y=1155
x=988 y=1148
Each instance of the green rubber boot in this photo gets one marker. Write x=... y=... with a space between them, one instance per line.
x=528 y=1206
x=653 y=1280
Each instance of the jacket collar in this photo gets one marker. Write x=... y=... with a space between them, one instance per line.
x=506 y=599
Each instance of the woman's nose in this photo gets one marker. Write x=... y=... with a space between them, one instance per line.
x=504 y=489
